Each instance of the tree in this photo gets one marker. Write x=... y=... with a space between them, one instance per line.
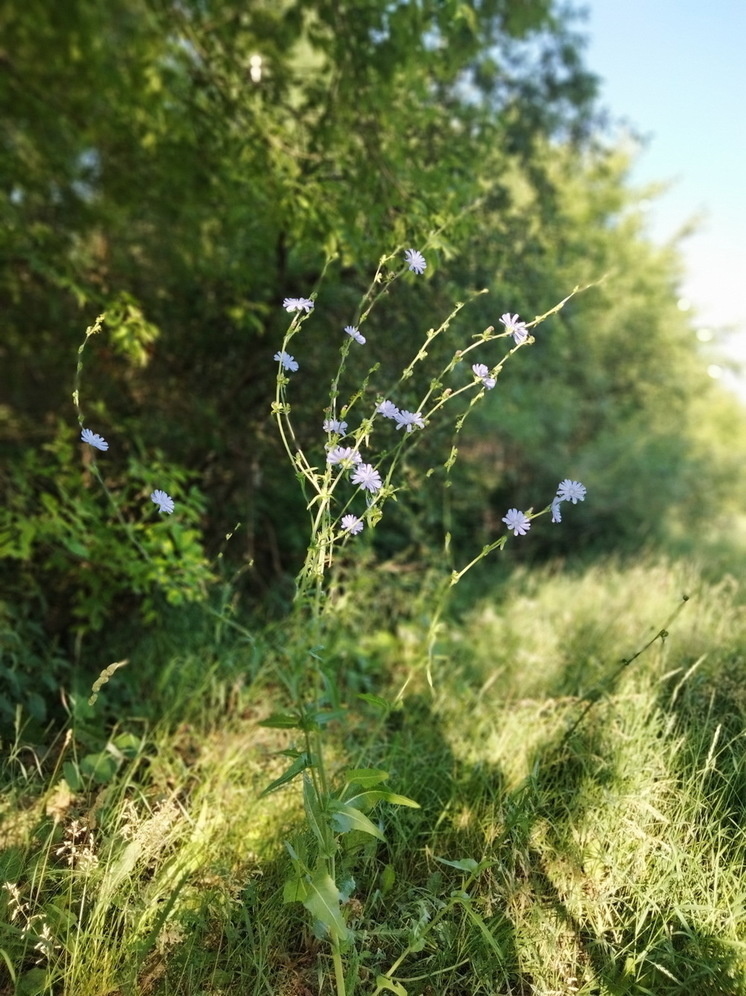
x=153 y=170
x=185 y=166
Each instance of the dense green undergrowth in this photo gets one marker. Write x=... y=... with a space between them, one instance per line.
x=547 y=857
x=230 y=808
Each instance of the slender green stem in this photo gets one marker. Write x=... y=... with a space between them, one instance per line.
x=323 y=791
x=127 y=526
x=281 y=411
x=91 y=330
x=454 y=901
x=339 y=975
x=497 y=545
x=594 y=695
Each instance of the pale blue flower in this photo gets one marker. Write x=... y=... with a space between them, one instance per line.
x=388 y=409
x=93 y=439
x=516 y=328
x=164 y=502
x=572 y=491
x=409 y=420
x=481 y=371
x=351 y=524
x=556 y=514
x=367 y=477
x=517 y=521
x=288 y=362
x=355 y=334
x=415 y=260
x=334 y=425
x=345 y=455
x=297 y=304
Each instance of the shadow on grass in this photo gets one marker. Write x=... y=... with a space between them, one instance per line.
x=644 y=948
x=641 y=949
x=709 y=707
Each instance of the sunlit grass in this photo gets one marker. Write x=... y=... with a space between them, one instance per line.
x=618 y=851
x=612 y=854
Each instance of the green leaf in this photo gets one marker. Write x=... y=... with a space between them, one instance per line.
x=128 y=744
x=295 y=890
x=463 y=864
x=101 y=767
x=346 y=887
x=346 y=818
x=282 y=721
x=365 y=776
x=375 y=700
x=384 y=982
x=76 y=548
x=465 y=12
x=298 y=765
x=387 y=879
x=417 y=943
x=72 y=775
x=323 y=903
x=34 y=982
x=316 y=819
x=368 y=799
x=398 y=800
x=322 y=717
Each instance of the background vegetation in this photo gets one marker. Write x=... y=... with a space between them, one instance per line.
x=181 y=168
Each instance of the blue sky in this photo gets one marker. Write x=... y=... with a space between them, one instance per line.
x=675 y=70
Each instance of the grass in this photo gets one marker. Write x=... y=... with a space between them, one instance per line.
x=607 y=860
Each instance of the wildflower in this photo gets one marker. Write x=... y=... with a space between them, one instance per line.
x=297 y=304
x=334 y=425
x=416 y=260
x=164 y=502
x=481 y=371
x=344 y=455
x=516 y=328
x=15 y=906
x=79 y=847
x=355 y=334
x=572 y=491
x=517 y=521
x=288 y=362
x=388 y=409
x=351 y=524
x=45 y=942
x=556 y=514
x=409 y=420
x=367 y=477
x=93 y=439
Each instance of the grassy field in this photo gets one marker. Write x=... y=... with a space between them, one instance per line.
x=581 y=821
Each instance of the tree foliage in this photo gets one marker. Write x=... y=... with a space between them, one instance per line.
x=183 y=166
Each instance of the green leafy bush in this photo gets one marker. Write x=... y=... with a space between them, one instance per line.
x=72 y=560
